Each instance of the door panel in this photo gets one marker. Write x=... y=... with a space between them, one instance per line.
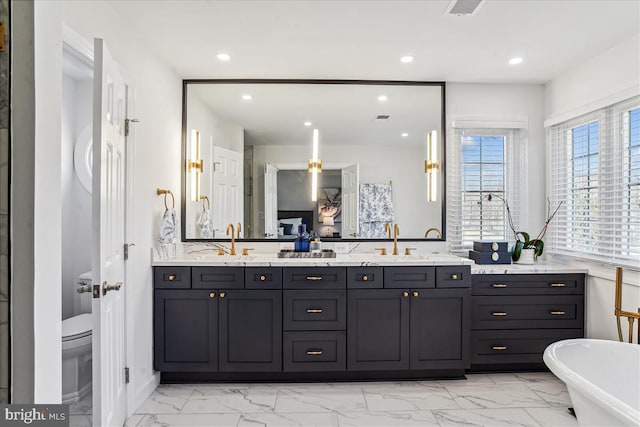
x=227 y=187
x=377 y=330
x=350 y=200
x=270 y=201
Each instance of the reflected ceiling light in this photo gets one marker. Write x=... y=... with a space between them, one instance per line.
x=223 y=57
x=382 y=98
x=515 y=61
x=247 y=97
x=308 y=123
x=406 y=59
x=315 y=167
x=432 y=166
x=404 y=134
x=194 y=165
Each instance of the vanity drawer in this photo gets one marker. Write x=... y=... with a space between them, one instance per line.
x=454 y=276
x=314 y=310
x=217 y=277
x=523 y=346
x=314 y=351
x=409 y=277
x=172 y=277
x=523 y=312
x=263 y=277
x=527 y=284
x=364 y=277
x=314 y=278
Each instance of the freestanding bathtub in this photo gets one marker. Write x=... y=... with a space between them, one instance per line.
x=603 y=379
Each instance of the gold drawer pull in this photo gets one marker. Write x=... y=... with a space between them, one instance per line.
x=499 y=313
x=415 y=293
x=314 y=352
x=314 y=277
x=212 y=294
x=499 y=347
x=558 y=313
x=263 y=278
x=405 y=294
x=222 y=294
x=557 y=285
x=172 y=277
x=499 y=285
x=454 y=277
x=314 y=310
x=365 y=278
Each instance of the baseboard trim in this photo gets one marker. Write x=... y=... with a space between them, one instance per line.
x=143 y=393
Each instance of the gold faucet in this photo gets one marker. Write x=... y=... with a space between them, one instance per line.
x=238 y=230
x=233 y=240
x=396 y=231
x=436 y=229
x=387 y=229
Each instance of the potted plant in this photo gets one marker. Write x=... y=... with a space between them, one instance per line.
x=526 y=247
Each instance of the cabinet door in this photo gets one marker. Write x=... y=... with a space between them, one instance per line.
x=377 y=329
x=185 y=330
x=440 y=328
x=250 y=330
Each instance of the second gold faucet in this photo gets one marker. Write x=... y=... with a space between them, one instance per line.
x=233 y=239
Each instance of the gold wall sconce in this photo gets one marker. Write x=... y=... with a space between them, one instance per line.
x=432 y=166
x=315 y=167
x=195 y=165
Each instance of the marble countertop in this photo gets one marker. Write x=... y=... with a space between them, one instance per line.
x=345 y=260
x=537 y=268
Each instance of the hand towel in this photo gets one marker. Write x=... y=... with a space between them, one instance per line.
x=376 y=209
x=205 y=224
x=168 y=227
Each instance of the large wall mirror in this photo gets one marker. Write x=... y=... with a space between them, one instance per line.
x=249 y=159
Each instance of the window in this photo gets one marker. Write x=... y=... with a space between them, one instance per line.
x=483 y=162
x=595 y=171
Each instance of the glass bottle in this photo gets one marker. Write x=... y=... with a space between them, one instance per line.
x=301 y=243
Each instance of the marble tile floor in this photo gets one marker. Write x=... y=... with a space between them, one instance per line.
x=510 y=399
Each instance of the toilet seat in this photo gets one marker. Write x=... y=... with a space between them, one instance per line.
x=76 y=327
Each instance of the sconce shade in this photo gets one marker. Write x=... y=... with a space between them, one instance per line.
x=315 y=167
x=194 y=165
x=432 y=167
x=328 y=220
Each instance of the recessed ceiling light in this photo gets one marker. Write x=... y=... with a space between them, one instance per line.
x=308 y=123
x=404 y=134
x=406 y=59
x=223 y=57
x=382 y=98
x=515 y=61
x=247 y=97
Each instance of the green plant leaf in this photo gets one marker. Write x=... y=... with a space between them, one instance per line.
x=517 y=250
x=539 y=245
x=525 y=238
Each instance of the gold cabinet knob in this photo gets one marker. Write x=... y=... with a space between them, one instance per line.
x=212 y=294
x=415 y=293
x=454 y=277
x=172 y=277
x=263 y=278
x=405 y=294
x=365 y=278
x=222 y=294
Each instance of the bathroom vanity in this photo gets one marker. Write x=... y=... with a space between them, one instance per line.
x=299 y=319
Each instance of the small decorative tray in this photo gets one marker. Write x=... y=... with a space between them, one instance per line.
x=289 y=253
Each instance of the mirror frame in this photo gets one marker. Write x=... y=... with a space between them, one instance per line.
x=443 y=138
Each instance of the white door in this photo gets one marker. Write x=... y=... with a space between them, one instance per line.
x=270 y=201
x=108 y=220
x=228 y=203
x=350 y=200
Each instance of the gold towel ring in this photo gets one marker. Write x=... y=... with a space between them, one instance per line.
x=203 y=197
x=161 y=191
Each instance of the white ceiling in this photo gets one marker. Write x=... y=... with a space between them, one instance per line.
x=365 y=39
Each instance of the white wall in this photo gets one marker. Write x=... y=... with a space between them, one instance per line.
x=156 y=149
x=605 y=79
x=76 y=200
x=500 y=102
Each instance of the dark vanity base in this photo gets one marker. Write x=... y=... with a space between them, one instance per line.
x=508 y=367
x=196 y=377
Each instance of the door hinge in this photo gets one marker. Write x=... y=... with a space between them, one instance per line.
x=125 y=254
x=126 y=375
x=96 y=291
x=126 y=125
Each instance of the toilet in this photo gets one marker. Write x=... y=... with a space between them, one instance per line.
x=76 y=351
